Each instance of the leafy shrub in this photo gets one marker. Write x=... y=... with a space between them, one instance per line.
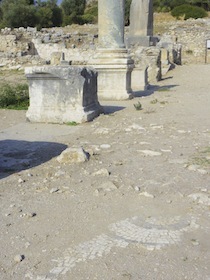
x=176 y=3
x=88 y=18
x=137 y=106
x=188 y=11
x=14 y=97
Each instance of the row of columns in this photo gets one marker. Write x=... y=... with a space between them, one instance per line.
x=112 y=61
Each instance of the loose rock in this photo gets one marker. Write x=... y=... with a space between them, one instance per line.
x=73 y=155
x=19 y=258
x=102 y=172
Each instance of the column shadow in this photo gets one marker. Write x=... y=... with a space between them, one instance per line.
x=152 y=89
x=109 y=109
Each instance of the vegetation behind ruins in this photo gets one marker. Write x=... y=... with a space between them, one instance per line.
x=14 y=96
x=37 y=13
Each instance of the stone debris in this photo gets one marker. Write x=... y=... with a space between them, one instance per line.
x=54 y=190
x=20 y=181
x=201 y=198
x=105 y=146
x=59 y=173
x=193 y=167
x=202 y=171
x=30 y=215
x=19 y=258
x=73 y=155
x=106 y=187
x=135 y=127
x=150 y=153
x=195 y=242
x=166 y=151
x=137 y=189
x=146 y=194
x=101 y=172
x=196 y=168
x=102 y=130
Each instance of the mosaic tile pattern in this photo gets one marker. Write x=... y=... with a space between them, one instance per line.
x=151 y=233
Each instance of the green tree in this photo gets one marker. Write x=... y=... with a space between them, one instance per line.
x=48 y=14
x=167 y=5
x=16 y=13
x=73 y=11
x=91 y=13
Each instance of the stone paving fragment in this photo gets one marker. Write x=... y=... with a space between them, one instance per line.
x=152 y=233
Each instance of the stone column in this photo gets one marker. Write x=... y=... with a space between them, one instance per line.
x=112 y=62
x=141 y=22
x=111 y=23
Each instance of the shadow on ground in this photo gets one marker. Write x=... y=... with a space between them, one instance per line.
x=17 y=155
x=152 y=89
x=112 y=109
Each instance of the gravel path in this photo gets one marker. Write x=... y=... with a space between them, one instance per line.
x=138 y=209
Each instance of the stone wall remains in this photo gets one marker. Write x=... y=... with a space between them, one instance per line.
x=27 y=46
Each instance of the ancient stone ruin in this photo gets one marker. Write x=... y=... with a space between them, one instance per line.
x=141 y=23
x=62 y=94
x=123 y=68
x=112 y=61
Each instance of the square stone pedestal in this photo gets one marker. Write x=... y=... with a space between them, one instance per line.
x=114 y=74
x=139 y=80
x=62 y=94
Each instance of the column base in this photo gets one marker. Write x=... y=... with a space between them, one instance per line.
x=114 y=68
x=145 y=41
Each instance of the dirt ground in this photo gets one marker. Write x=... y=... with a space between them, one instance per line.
x=138 y=209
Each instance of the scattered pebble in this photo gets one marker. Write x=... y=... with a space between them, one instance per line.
x=146 y=194
x=195 y=242
x=193 y=167
x=169 y=201
x=20 y=181
x=201 y=198
x=105 y=146
x=7 y=214
x=30 y=215
x=54 y=190
x=19 y=258
x=12 y=205
x=27 y=244
x=202 y=171
x=101 y=172
x=106 y=187
x=137 y=189
x=150 y=153
x=59 y=173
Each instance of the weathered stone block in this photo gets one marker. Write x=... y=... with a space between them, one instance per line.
x=56 y=58
x=61 y=94
x=139 y=79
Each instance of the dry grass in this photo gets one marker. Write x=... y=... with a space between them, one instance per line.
x=162 y=21
x=12 y=77
x=163 y=17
